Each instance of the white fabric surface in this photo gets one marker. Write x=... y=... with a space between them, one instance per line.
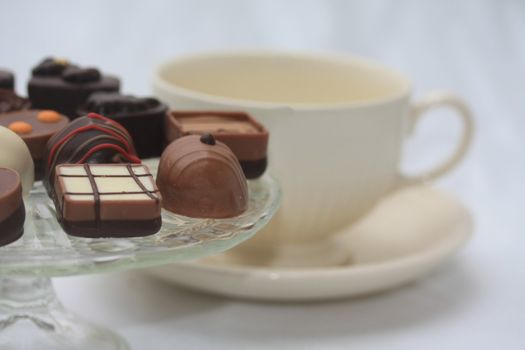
x=475 y=48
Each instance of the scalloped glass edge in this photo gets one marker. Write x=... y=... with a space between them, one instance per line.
x=45 y=250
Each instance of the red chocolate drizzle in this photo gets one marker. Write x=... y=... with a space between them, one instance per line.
x=128 y=153
x=91 y=139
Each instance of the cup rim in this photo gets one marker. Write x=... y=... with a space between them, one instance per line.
x=160 y=82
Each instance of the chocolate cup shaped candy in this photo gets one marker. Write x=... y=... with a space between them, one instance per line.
x=142 y=117
x=12 y=210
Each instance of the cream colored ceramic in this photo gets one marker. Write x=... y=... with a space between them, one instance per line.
x=337 y=126
x=403 y=238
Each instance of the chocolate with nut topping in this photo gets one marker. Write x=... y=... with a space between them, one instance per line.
x=59 y=85
x=51 y=67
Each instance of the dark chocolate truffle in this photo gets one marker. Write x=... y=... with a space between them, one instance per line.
x=12 y=210
x=7 y=80
x=9 y=101
x=107 y=200
x=89 y=139
x=142 y=117
x=50 y=67
x=59 y=85
x=201 y=179
x=246 y=137
x=35 y=128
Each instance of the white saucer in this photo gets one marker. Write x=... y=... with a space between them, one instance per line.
x=403 y=238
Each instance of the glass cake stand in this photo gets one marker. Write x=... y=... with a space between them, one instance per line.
x=31 y=317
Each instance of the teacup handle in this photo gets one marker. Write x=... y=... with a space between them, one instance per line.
x=431 y=101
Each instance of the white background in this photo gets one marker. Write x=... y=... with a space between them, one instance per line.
x=474 y=48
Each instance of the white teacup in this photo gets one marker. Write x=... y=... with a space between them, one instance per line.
x=337 y=126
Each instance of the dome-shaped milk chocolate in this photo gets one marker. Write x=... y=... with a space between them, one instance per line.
x=201 y=178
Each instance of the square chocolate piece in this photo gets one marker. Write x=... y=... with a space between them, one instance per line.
x=246 y=137
x=107 y=200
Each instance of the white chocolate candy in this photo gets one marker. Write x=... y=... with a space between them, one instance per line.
x=14 y=154
x=99 y=194
x=113 y=182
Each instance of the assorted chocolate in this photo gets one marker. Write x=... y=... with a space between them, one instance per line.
x=86 y=141
x=142 y=117
x=35 y=127
x=12 y=210
x=101 y=200
x=7 y=80
x=89 y=139
x=59 y=85
x=9 y=101
x=15 y=155
x=247 y=138
x=201 y=177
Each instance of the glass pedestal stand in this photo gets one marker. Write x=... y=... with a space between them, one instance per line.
x=31 y=316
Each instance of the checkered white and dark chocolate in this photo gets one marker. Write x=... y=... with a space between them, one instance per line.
x=89 y=139
x=12 y=210
x=107 y=200
x=142 y=117
x=58 y=85
x=247 y=138
x=7 y=80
